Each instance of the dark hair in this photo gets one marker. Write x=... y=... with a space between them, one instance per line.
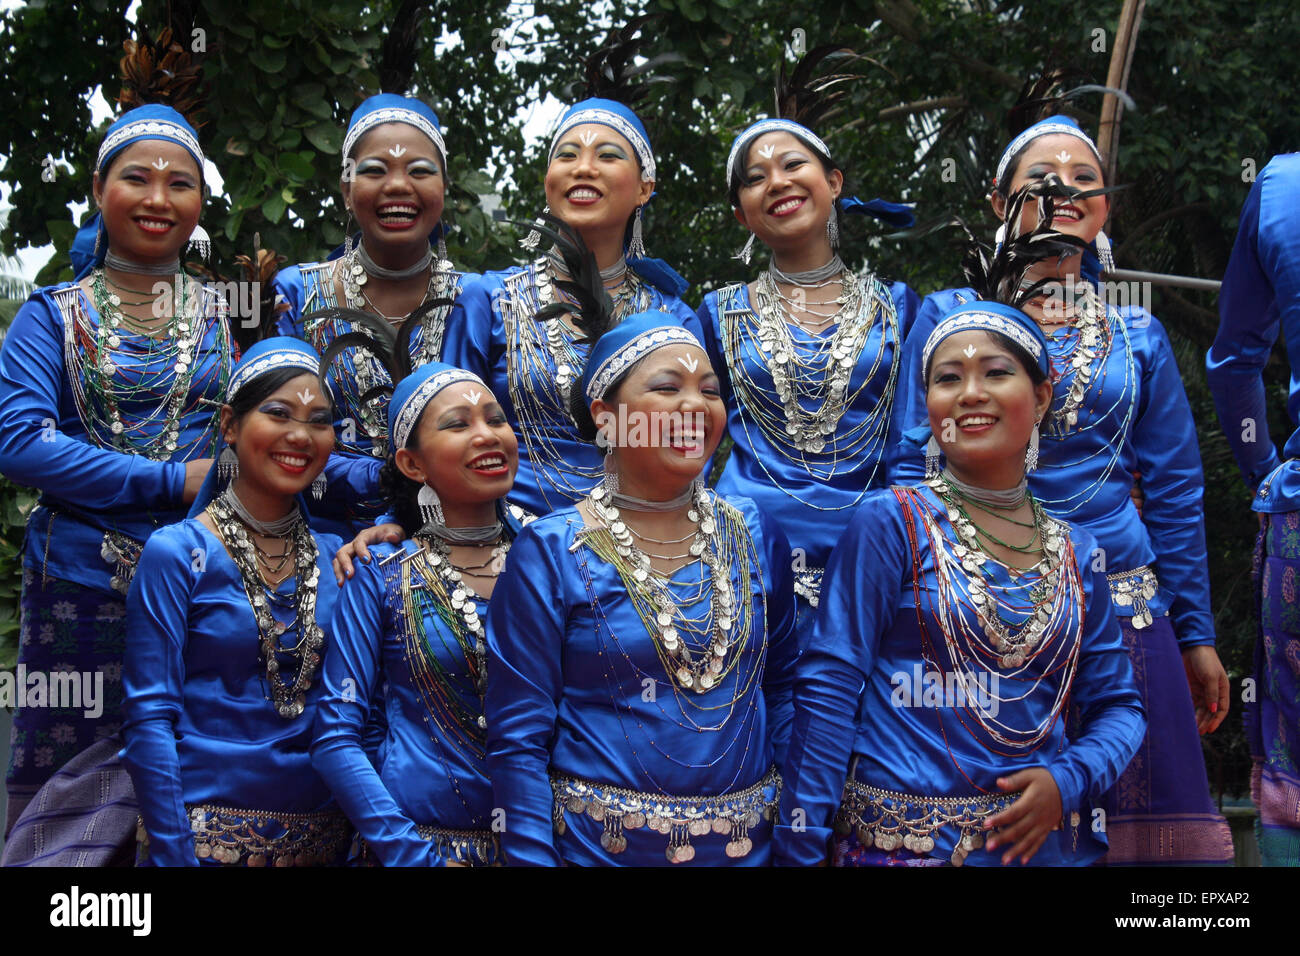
x=399 y=491
x=580 y=411
x=1006 y=342
x=256 y=390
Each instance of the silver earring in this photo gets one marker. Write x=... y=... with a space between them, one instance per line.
x=430 y=506
x=932 y=455
x=200 y=243
x=746 y=251
x=99 y=234
x=833 y=228
x=444 y=261
x=228 y=464
x=636 y=248
x=318 y=486
x=347 y=234
x=1104 y=254
x=534 y=238
x=1031 y=456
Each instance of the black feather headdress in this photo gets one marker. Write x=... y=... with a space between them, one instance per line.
x=1045 y=96
x=811 y=100
x=611 y=72
x=161 y=70
x=588 y=305
x=397 y=58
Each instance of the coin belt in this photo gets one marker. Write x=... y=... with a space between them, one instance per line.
x=887 y=820
x=470 y=847
x=678 y=818
x=264 y=837
x=1133 y=589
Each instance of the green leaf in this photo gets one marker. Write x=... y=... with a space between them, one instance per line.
x=62 y=232
x=326 y=137
x=272 y=61
x=273 y=208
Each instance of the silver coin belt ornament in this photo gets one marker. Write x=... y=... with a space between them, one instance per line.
x=1133 y=589
x=268 y=838
x=289 y=699
x=888 y=820
x=678 y=818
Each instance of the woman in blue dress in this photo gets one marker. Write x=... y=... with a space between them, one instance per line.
x=394 y=186
x=109 y=390
x=408 y=631
x=600 y=175
x=1119 y=409
x=225 y=615
x=641 y=644
x=958 y=621
x=808 y=353
x=1259 y=299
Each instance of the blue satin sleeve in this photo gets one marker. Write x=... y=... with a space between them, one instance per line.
x=782 y=637
x=288 y=287
x=1105 y=696
x=1173 y=486
x=354 y=680
x=472 y=341
x=1260 y=298
x=525 y=685
x=38 y=421
x=153 y=679
x=858 y=603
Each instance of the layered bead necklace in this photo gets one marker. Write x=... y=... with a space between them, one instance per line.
x=233 y=523
x=360 y=371
x=1045 y=603
x=801 y=390
x=542 y=365
x=104 y=389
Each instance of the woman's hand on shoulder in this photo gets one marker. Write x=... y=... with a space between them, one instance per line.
x=358 y=549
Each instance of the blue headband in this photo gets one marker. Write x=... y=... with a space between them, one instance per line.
x=1048 y=127
x=281 y=351
x=628 y=343
x=896 y=214
x=152 y=121
x=415 y=391
x=991 y=317
x=618 y=118
x=391 y=108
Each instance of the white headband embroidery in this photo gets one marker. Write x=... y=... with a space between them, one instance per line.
x=985 y=321
x=633 y=352
x=628 y=131
x=1043 y=129
x=266 y=363
x=406 y=416
x=772 y=126
x=153 y=129
x=392 y=114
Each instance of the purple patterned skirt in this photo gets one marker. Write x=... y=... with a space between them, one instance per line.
x=1273 y=719
x=1160 y=810
x=69 y=687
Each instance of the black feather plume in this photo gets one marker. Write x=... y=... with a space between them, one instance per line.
x=1046 y=95
x=611 y=71
x=812 y=100
x=397 y=59
x=589 y=304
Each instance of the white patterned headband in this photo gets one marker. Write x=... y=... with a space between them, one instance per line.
x=632 y=352
x=151 y=129
x=772 y=126
x=392 y=114
x=1042 y=129
x=621 y=126
x=410 y=410
x=266 y=363
x=984 y=322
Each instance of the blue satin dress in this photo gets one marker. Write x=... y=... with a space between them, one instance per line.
x=492 y=333
x=351 y=501
x=1133 y=417
x=429 y=770
x=200 y=727
x=92 y=495
x=1260 y=299
x=861 y=707
x=577 y=687
x=811 y=494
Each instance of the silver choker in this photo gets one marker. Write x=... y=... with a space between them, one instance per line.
x=1000 y=498
x=812 y=276
x=616 y=271
x=477 y=534
x=279 y=528
x=123 y=264
x=622 y=501
x=394 y=275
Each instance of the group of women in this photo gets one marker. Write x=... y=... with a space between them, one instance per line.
x=559 y=645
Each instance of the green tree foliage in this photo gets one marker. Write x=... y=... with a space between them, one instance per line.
x=925 y=124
